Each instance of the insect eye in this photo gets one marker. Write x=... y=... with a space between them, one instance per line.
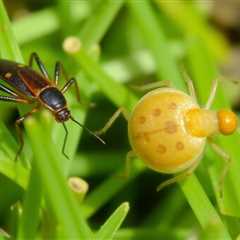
x=227 y=121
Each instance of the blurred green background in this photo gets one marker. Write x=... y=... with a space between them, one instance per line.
x=123 y=44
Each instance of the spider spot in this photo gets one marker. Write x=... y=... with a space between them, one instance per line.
x=20 y=65
x=179 y=146
x=173 y=106
x=156 y=112
x=170 y=127
x=161 y=149
x=8 y=75
x=146 y=137
x=142 y=119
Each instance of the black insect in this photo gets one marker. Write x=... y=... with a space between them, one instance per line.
x=30 y=87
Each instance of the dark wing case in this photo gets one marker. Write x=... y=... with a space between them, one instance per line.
x=22 y=78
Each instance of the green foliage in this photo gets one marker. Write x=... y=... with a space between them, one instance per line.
x=137 y=40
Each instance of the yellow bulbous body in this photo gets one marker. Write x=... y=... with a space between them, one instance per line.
x=157 y=131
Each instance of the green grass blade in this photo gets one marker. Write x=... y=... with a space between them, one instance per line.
x=31 y=208
x=8 y=48
x=99 y=21
x=190 y=21
x=47 y=22
x=156 y=41
x=204 y=70
x=206 y=214
x=14 y=171
x=153 y=234
x=65 y=17
x=123 y=97
x=168 y=209
x=105 y=191
x=97 y=163
x=110 y=227
x=59 y=197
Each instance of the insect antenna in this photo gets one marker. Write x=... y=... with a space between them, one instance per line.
x=88 y=130
x=65 y=141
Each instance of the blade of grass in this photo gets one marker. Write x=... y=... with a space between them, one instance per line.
x=65 y=17
x=47 y=22
x=153 y=234
x=102 y=16
x=105 y=191
x=205 y=212
x=204 y=70
x=156 y=42
x=190 y=21
x=14 y=171
x=97 y=163
x=110 y=227
x=123 y=97
x=168 y=209
x=59 y=197
x=31 y=208
x=8 y=48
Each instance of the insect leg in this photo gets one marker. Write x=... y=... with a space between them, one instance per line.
x=190 y=86
x=19 y=131
x=129 y=158
x=151 y=86
x=17 y=99
x=65 y=141
x=14 y=99
x=34 y=56
x=57 y=72
x=178 y=177
x=219 y=151
x=212 y=94
x=69 y=84
x=7 y=90
x=112 y=119
x=58 y=69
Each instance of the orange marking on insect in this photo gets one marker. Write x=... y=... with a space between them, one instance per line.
x=146 y=137
x=173 y=106
x=170 y=127
x=142 y=119
x=179 y=146
x=161 y=148
x=157 y=112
